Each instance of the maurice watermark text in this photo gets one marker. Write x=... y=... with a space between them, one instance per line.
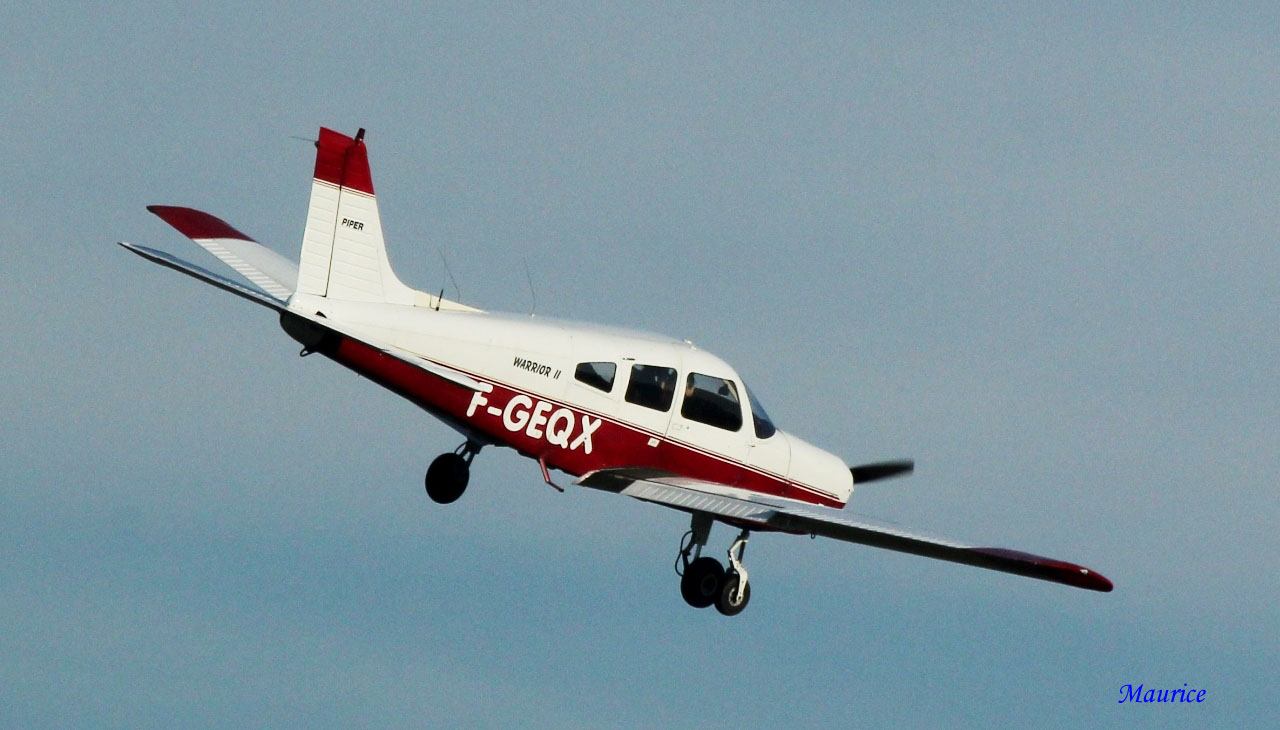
x=1130 y=693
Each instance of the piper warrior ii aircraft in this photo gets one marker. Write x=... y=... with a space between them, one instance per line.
x=646 y=416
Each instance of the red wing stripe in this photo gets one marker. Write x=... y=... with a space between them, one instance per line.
x=195 y=224
x=1036 y=566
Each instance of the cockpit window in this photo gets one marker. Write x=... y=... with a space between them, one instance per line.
x=596 y=374
x=764 y=426
x=651 y=386
x=713 y=401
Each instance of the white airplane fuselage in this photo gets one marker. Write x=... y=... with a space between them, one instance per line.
x=532 y=399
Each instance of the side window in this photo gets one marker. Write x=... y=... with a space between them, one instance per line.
x=713 y=401
x=651 y=386
x=596 y=374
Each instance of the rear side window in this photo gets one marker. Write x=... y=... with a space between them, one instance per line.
x=713 y=401
x=596 y=374
x=651 y=386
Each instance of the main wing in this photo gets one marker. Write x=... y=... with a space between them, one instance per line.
x=692 y=495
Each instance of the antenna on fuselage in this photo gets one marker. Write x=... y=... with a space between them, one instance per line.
x=529 y=278
x=456 y=290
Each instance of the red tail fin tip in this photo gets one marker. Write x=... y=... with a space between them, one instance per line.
x=343 y=161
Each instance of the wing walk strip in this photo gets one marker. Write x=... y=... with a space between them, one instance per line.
x=690 y=500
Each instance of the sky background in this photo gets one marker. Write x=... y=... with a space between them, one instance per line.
x=1032 y=248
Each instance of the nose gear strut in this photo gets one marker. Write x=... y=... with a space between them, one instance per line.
x=736 y=591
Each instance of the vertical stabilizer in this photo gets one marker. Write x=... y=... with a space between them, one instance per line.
x=343 y=253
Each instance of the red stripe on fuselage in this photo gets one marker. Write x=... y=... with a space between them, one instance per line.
x=612 y=443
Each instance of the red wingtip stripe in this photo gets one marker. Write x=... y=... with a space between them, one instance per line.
x=1095 y=582
x=343 y=161
x=194 y=224
x=1036 y=566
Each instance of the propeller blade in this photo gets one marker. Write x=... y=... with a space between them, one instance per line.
x=881 y=470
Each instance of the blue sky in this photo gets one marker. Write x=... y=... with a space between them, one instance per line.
x=1032 y=248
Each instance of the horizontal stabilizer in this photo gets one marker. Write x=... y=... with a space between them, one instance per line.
x=203 y=274
x=264 y=268
x=259 y=297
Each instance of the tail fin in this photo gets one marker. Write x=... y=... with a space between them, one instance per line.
x=343 y=253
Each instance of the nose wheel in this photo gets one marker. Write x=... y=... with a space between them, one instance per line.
x=449 y=473
x=704 y=581
x=736 y=590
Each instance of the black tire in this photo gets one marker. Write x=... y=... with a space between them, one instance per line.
x=447 y=478
x=700 y=584
x=724 y=600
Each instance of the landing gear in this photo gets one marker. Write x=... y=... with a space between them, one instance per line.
x=703 y=581
x=700 y=584
x=736 y=590
x=448 y=474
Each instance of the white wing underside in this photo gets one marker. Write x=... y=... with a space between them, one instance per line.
x=764 y=513
x=264 y=268
x=170 y=261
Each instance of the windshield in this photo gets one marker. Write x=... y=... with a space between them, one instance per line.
x=764 y=426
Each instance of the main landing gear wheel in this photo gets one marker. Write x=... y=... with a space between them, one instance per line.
x=448 y=474
x=700 y=584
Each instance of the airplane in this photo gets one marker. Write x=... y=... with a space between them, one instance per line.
x=650 y=417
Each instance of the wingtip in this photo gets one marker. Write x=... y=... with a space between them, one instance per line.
x=1050 y=569
x=1095 y=581
x=195 y=224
